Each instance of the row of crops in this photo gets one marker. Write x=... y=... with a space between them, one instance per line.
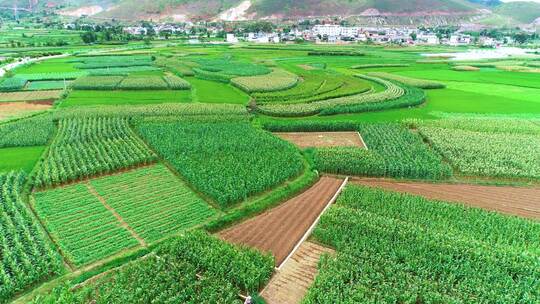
x=278 y=80
x=227 y=161
x=355 y=103
x=398 y=248
x=486 y=147
x=34 y=131
x=315 y=86
x=394 y=151
x=86 y=147
x=26 y=255
x=133 y=82
x=39 y=81
x=195 y=268
x=153 y=202
x=414 y=82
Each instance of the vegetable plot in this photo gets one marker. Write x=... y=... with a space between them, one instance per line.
x=396 y=248
x=278 y=80
x=227 y=161
x=392 y=91
x=418 y=83
x=195 y=268
x=27 y=255
x=86 y=147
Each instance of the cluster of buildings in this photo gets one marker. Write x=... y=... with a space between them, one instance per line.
x=321 y=33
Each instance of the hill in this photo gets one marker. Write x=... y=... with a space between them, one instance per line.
x=249 y=9
x=522 y=12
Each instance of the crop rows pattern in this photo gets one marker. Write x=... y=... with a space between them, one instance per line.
x=195 y=268
x=391 y=91
x=401 y=248
x=26 y=256
x=153 y=201
x=86 y=147
x=226 y=161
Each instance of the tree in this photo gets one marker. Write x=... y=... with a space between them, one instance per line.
x=89 y=37
x=414 y=36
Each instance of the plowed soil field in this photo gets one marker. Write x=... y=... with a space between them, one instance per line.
x=323 y=139
x=520 y=201
x=20 y=109
x=280 y=229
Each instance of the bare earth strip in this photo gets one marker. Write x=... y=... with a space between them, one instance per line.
x=323 y=139
x=290 y=284
x=520 y=201
x=49 y=96
x=116 y=215
x=20 y=109
x=280 y=229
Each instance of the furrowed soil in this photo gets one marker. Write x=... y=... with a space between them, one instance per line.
x=280 y=229
x=520 y=201
x=323 y=139
x=290 y=283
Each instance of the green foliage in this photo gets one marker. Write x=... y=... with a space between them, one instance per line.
x=27 y=255
x=121 y=71
x=418 y=83
x=379 y=65
x=48 y=85
x=97 y=83
x=315 y=86
x=195 y=268
x=34 y=131
x=231 y=68
x=174 y=65
x=86 y=147
x=488 y=149
x=81 y=225
x=213 y=76
x=20 y=158
x=335 y=53
x=51 y=76
x=411 y=98
x=13 y=84
x=101 y=62
x=176 y=83
x=241 y=160
x=153 y=201
x=143 y=83
x=278 y=80
x=348 y=104
x=401 y=248
x=394 y=151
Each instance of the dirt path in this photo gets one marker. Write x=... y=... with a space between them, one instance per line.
x=116 y=215
x=520 y=201
x=323 y=139
x=281 y=229
x=290 y=284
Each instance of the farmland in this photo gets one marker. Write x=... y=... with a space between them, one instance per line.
x=161 y=171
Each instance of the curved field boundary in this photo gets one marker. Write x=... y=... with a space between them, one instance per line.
x=520 y=201
x=282 y=230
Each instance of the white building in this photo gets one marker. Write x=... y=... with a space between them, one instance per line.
x=327 y=30
x=231 y=38
x=428 y=39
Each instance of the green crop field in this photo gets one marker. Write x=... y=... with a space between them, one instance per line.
x=151 y=155
x=20 y=158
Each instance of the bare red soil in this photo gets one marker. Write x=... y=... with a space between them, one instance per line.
x=323 y=139
x=520 y=201
x=280 y=229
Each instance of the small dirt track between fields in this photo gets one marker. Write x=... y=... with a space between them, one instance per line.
x=520 y=201
x=279 y=230
x=116 y=215
x=290 y=284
